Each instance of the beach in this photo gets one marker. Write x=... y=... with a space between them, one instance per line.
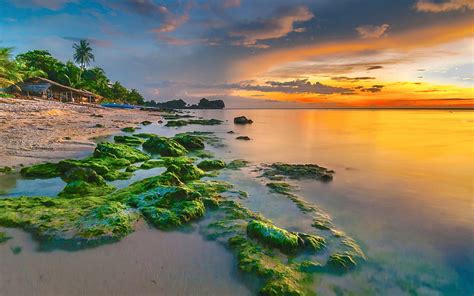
x=389 y=189
x=35 y=130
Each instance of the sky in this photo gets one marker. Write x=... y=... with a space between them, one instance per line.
x=265 y=53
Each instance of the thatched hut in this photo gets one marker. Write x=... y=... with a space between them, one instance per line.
x=52 y=90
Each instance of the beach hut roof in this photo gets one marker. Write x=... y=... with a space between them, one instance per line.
x=40 y=84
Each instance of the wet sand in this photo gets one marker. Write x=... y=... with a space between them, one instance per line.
x=147 y=262
x=34 y=130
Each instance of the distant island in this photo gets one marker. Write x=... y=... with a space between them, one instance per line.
x=181 y=104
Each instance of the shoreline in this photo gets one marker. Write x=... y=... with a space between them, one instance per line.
x=35 y=130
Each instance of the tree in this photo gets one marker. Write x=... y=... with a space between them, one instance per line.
x=70 y=75
x=41 y=60
x=13 y=71
x=83 y=53
x=134 y=97
x=118 y=92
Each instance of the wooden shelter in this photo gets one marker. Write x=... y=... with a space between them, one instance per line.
x=52 y=90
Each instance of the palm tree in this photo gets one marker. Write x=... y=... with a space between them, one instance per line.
x=14 y=71
x=83 y=53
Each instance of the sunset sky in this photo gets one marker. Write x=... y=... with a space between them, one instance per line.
x=268 y=53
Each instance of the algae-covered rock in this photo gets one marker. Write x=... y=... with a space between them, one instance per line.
x=152 y=163
x=6 y=170
x=4 y=237
x=237 y=164
x=145 y=135
x=312 y=242
x=297 y=171
x=190 y=142
x=81 y=188
x=146 y=122
x=128 y=129
x=128 y=140
x=164 y=146
x=131 y=154
x=202 y=154
x=178 y=123
x=242 y=120
x=41 y=171
x=211 y=165
x=280 y=187
x=341 y=262
x=273 y=236
x=112 y=220
x=186 y=171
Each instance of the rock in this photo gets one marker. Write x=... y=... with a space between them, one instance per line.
x=231 y=132
x=190 y=142
x=98 y=125
x=242 y=120
x=244 y=138
x=211 y=165
x=164 y=146
x=273 y=236
x=128 y=129
x=146 y=122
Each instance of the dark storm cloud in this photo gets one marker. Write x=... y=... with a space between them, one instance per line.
x=351 y=79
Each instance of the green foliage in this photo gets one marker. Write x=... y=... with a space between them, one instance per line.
x=40 y=63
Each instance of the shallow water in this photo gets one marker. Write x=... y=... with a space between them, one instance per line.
x=403 y=189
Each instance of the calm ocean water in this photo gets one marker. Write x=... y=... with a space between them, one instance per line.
x=403 y=188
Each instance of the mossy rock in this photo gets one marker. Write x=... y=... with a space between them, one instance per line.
x=6 y=170
x=341 y=262
x=80 y=188
x=131 y=154
x=189 y=142
x=164 y=146
x=128 y=129
x=280 y=187
x=176 y=123
x=186 y=171
x=41 y=171
x=4 y=237
x=297 y=171
x=211 y=165
x=128 y=140
x=273 y=236
x=146 y=122
x=237 y=164
x=145 y=135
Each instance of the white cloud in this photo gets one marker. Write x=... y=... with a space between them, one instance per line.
x=372 y=32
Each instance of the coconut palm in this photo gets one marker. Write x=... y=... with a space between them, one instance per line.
x=13 y=71
x=83 y=53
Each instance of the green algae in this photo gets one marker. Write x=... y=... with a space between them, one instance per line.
x=278 y=170
x=272 y=235
x=114 y=150
x=16 y=250
x=6 y=170
x=202 y=154
x=178 y=123
x=190 y=142
x=4 y=237
x=280 y=187
x=41 y=171
x=237 y=164
x=129 y=140
x=128 y=129
x=164 y=146
x=211 y=165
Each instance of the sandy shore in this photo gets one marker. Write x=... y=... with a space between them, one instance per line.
x=34 y=130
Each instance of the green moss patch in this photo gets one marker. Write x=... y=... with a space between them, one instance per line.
x=129 y=140
x=128 y=129
x=164 y=146
x=211 y=165
x=278 y=170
